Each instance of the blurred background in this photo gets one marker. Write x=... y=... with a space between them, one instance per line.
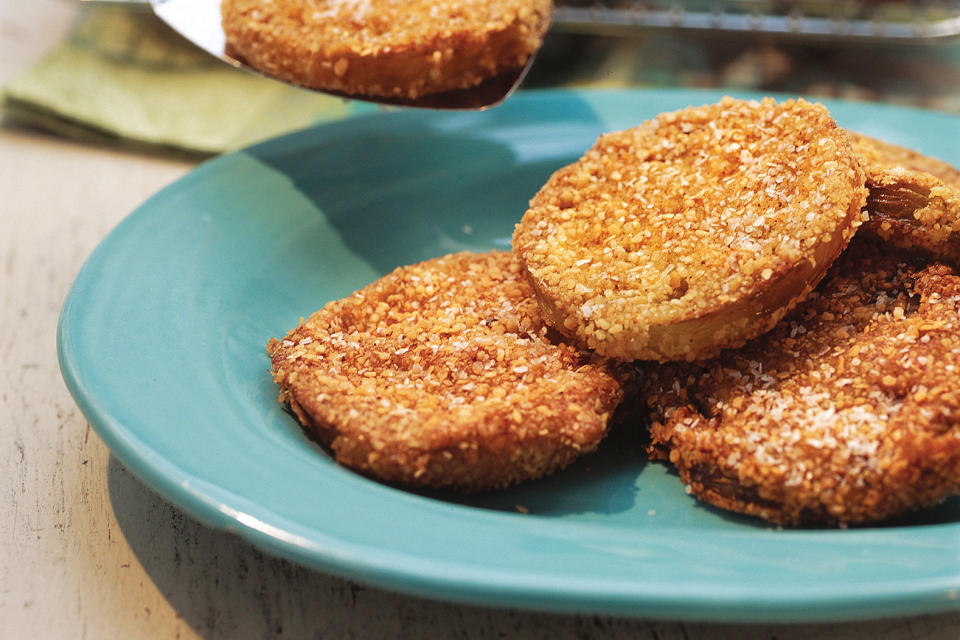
x=156 y=90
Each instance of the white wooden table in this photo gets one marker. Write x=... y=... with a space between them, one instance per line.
x=86 y=550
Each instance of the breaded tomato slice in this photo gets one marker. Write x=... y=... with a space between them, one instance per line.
x=444 y=374
x=847 y=412
x=694 y=231
x=385 y=48
x=914 y=200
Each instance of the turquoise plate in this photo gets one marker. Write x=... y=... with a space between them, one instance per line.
x=162 y=340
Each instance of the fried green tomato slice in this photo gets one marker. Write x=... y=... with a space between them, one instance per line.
x=444 y=374
x=385 y=48
x=694 y=231
x=847 y=412
x=914 y=200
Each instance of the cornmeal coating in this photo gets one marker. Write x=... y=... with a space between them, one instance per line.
x=694 y=231
x=914 y=200
x=847 y=412
x=385 y=48
x=444 y=374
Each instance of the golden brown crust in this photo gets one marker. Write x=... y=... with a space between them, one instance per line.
x=385 y=48
x=443 y=374
x=914 y=200
x=847 y=412
x=877 y=156
x=694 y=231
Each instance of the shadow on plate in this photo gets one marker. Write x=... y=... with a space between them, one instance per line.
x=609 y=481
x=604 y=482
x=414 y=185
x=946 y=512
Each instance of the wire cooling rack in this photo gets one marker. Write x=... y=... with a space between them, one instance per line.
x=850 y=20
x=842 y=20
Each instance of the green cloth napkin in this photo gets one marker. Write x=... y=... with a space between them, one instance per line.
x=122 y=76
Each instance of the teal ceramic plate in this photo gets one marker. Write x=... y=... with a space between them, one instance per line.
x=162 y=344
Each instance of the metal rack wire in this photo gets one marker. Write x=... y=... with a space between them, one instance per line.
x=842 y=20
x=847 y=20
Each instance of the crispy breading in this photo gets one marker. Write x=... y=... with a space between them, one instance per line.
x=847 y=412
x=444 y=374
x=694 y=231
x=385 y=48
x=914 y=200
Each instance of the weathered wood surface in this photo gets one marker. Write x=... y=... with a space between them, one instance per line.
x=88 y=551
